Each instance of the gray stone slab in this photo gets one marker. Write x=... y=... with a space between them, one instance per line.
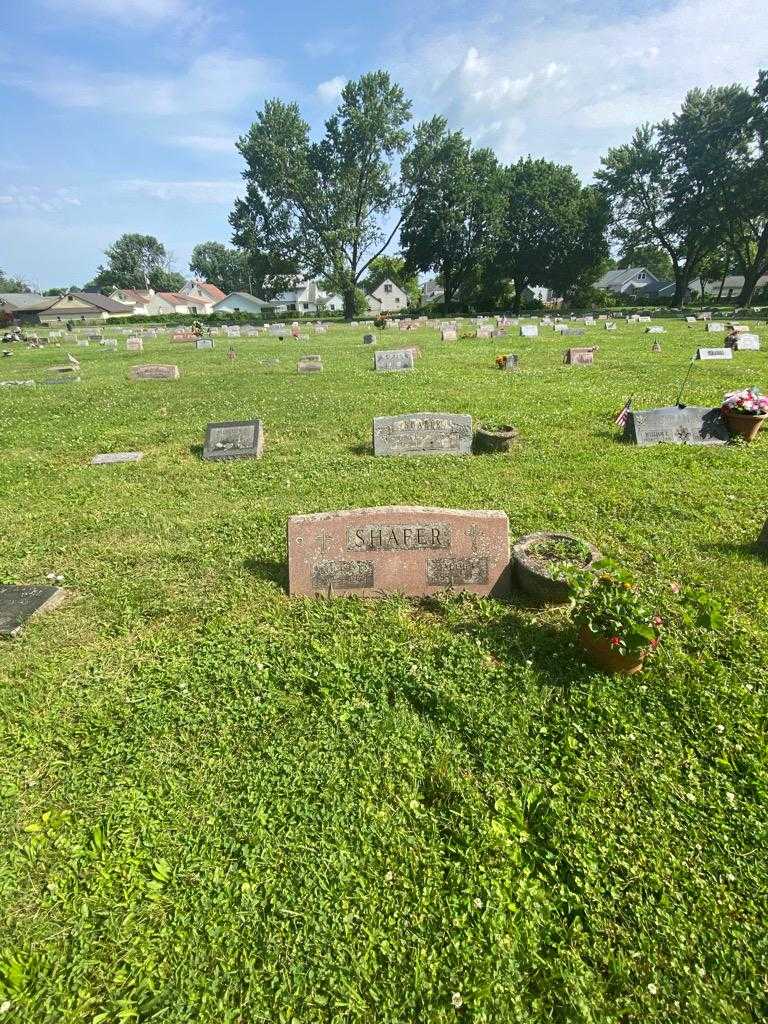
x=234 y=439
x=155 y=371
x=310 y=364
x=691 y=424
x=579 y=357
x=573 y=332
x=393 y=359
x=423 y=433
x=747 y=343
x=714 y=353
x=110 y=457
x=204 y=343
x=20 y=603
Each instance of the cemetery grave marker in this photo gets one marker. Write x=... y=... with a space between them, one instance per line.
x=747 y=343
x=579 y=356
x=422 y=433
x=108 y=458
x=508 y=361
x=714 y=353
x=369 y=339
x=529 y=331
x=655 y=330
x=134 y=345
x=155 y=371
x=715 y=328
x=689 y=424
x=573 y=332
x=204 y=343
x=394 y=359
x=17 y=383
x=83 y=343
x=310 y=364
x=610 y=325
x=20 y=603
x=448 y=334
x=236 y=439
x=408 y=550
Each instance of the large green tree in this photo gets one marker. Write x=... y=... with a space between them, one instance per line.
x=553 y=230
x=222 y=265
x=396 y=269
x=720 y=137
x=12 y=284
x=452 y=205
x=656 y=202
x=137 y=261
x=652 y=257
x=318 y=207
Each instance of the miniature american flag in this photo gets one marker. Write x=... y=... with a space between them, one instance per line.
x=621 y=419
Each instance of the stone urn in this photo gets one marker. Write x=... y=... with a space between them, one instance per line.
x=600 y=652
x=537 y=574
x=489 y=439
x=743 y=423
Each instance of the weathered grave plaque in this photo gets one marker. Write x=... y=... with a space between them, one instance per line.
x=19 y=603
x=422 y=433
x=573 y=332
x=529 y=331
x=204 y=343
x=579 y=356
x=237 y=439
x=155 y=371
x=655 y=329
x=108 y=458
x=17 y=383
x=310 y=364
x=109 y=343
x=714 y=353
x=484 y=332
x=83 y=343
x=691 y=424
x=407 y=549
x=610 y=326
x=715 y=328
x=394 y=359
x=134 y=345
x=448 y=334
x=747 y=343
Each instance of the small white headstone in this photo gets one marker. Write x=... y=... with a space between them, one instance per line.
x=714 y=353
x=747 y=343
x=529 y=331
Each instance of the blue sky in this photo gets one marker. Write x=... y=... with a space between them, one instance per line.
x=121 y=115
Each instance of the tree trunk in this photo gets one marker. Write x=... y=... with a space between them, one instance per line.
x=720 y=289
x=519 y=289
x=681 y=286
x=350 y=303
x=750 y=283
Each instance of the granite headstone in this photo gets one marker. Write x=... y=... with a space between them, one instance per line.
x=423 y=433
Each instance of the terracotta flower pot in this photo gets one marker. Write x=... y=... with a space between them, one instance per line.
x=604 y=656
x=744 y=424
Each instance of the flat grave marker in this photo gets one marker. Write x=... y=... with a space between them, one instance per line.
x=715 y=328
x=691 y=424
x=204 y=343
x=234 y=439
x=19 y=603
x=529 y=331
x=579 y=357
x=134 y=345
x=310 y=364
x=747 y=343
x=448 y=334
x=423 y=433
x=409 y=550
x=393 y=359
x=155 y=371
x=714 y=353
x=109 y=458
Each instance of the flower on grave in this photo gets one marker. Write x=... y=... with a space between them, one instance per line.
x=456 y=1000
x=749 y=402
x=615 y=641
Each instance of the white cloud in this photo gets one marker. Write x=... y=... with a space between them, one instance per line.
x=567 y=88
x=206 y=192
x=206 y=143
x=133 y=12
x=35 y=199
x=215 y=82
x=331 y=90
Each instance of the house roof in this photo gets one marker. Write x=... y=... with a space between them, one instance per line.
x=246 y=295
x=616 y=280
x=98 y=300
x=215 y=293
x=732 y=282
x=21 y=300
x=134 y=295
x=174 y=299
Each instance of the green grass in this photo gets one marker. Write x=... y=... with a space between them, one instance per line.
x=222 y=805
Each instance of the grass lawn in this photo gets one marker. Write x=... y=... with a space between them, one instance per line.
x=222 y=805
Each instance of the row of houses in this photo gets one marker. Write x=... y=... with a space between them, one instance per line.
x=197 y=298
x=634 y=282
